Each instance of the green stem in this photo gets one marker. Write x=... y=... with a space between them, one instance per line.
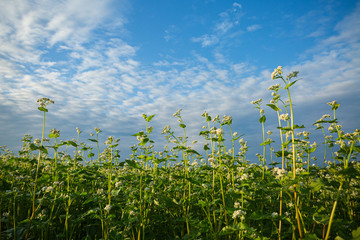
x=325 y=145
x=294 y=161
x=264 y=147
x=35 y=181
x=333 y=213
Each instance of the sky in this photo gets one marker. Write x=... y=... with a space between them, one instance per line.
x=105 y=63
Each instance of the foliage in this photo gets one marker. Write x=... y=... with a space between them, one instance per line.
x=178 y=193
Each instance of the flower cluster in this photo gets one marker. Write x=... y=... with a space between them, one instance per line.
x=43 y=102
x=277 y=72
x=239 y=212
x=257 y=102
x=284 y=117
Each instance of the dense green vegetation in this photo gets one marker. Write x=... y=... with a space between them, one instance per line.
x=178 y=193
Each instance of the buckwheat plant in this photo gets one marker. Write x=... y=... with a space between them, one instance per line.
x=43 y=102
x=55 y=134
x=262 y=120
x=277 y=74
x=184 y=149
x=274 y=104
x=97 y=131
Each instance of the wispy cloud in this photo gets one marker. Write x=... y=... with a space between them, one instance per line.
x=206 y=40
x=226 y=21
x=253 y=28
x=103 y=83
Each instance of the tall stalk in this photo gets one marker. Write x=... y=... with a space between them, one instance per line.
x=184 y=148
x=262 y=120
x=43 y=102
x=278 y=74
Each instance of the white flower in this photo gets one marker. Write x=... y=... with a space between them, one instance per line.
x=195 y=163
x=216 y=118
x=245 y=176
x=219 y=131
x=238 y=213
x=107 y=208
x=278 y=172
x=277 y=71
x=274 y=214
x=274 y=87
x=284 y=117
x=256 y=102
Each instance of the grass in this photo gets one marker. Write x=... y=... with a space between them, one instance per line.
x=178 y=193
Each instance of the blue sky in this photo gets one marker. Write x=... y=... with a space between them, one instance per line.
x=105 y=63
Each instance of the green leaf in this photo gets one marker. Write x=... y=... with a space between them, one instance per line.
x=310 y=236
x=356 y=234
x=316 y=185
x=290 y=84
x=141 y=133
x=336 y=106
x=227 y=230
x=193 y=181
x=72 y=143
x=33 y=147
x=266 y=142
x=42 y=109
x=356 y=148
x=192 y=151
x=180 y=147
x=202 y=203
x=182 y=125
x=326 y=121
x=274 y=107
x=132 y=164
x=144 y=141
x=148 y=119
x=262 y=119
x=149 y=130
x=51 y=135
x=206 y=132
x=93 y=140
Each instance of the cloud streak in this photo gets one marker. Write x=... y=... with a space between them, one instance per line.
x=98 y=83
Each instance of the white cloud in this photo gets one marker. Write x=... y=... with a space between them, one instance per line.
x=237 y=5
x=223 y=27
x=29 y=27
x=103 y=84
x=253 y=28
x=206 y=40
